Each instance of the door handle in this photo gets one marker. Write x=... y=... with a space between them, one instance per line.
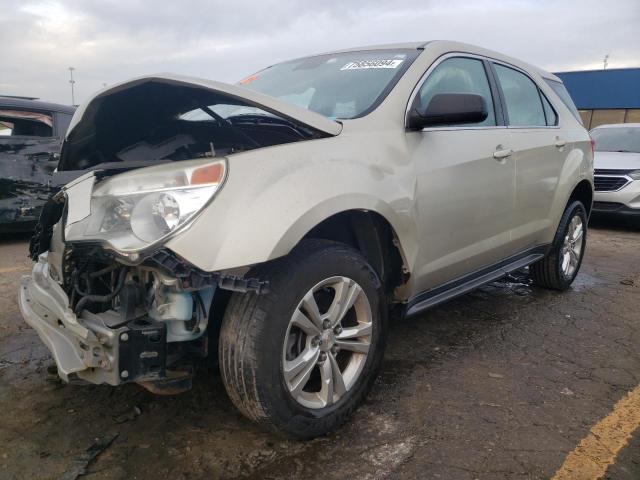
x=504 y=153
x=560 y=143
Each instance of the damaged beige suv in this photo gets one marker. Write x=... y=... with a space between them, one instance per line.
x=273 y=224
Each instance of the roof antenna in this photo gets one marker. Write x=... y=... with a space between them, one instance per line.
x=605 y=61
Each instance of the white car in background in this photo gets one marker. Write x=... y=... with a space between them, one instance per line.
x=617 y=168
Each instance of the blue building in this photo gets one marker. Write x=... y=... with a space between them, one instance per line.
x=605 y=96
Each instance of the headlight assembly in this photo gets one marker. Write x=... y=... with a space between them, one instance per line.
x=134 y=210
x=635 y=174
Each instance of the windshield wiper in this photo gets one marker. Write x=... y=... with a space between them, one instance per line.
x=260 y=119
x=228 y=126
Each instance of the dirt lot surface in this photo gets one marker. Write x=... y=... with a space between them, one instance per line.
x=500 y=384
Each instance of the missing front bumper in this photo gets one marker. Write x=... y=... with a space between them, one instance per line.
x=90 y=347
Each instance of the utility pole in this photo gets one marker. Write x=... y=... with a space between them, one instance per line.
x=72 y=82
x=606 y=61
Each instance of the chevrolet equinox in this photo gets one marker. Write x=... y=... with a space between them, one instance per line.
x=273 y=224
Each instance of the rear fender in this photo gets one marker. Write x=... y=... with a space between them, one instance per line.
x=578 y=166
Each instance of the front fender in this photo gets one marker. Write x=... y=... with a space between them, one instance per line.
x=274 y=196
x=326 y=209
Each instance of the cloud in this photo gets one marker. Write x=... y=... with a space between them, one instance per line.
x=110 y=41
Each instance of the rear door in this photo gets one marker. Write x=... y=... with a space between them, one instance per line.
x=539 y=153
x=465 y=180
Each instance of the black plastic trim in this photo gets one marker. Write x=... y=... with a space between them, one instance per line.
x=614 y=208
x=543 y=97
x=496 y=94
x=503 y=103
x=466 y=283
x=192 y=277
x=142 y=350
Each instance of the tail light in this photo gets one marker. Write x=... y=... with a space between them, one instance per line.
x=593 y=145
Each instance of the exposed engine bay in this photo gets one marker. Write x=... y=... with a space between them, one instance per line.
x=146 y=322
x=111 y=302
x=155 y=121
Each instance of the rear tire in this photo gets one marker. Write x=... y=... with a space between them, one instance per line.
x=265 y=338
x=561 y=265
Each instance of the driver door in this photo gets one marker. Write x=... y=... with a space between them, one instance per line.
x=465 y=190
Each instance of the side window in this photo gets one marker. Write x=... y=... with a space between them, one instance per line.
x=24 y=123
x=549 y=112
x=562 y=92
x=524 y=107
x=459 y=75
x=6 y=128
x=62 y=123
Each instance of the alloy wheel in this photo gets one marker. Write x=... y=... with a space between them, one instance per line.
x=572 y=247
x=327 y=342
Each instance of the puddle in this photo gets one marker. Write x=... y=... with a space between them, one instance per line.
x=585 y=280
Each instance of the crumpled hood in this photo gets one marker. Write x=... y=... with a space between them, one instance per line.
x=250 y=97
x=616 y=160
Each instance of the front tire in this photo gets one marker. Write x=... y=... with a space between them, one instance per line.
x=299 y=359
x=561 y=265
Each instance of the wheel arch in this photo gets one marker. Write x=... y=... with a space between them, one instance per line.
x=583 y=192
x=366 y=230
x=369 y=232
x=373 y=235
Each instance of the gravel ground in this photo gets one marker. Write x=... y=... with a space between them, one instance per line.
x=498 y=384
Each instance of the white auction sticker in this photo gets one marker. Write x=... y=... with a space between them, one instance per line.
x=372 y=64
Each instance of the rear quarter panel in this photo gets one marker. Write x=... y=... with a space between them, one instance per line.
x=577 y=167
x=577 y=157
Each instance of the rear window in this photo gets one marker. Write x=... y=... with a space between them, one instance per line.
x=617 y=139
x=562 y=92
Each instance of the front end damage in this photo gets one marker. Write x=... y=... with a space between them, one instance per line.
x=109 y=300
x=106 y=321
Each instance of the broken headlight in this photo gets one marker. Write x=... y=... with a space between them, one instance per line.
x=133 y=210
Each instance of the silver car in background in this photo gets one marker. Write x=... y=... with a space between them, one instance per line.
x=617 y=169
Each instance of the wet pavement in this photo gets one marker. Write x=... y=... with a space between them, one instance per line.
x=499 y=384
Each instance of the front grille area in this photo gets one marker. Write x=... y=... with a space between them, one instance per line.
x=611 y=171
x=609 y=183
x=607 y=206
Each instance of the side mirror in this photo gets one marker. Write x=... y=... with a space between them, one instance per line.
x=448 y=109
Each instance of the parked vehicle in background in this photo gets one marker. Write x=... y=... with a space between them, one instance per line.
x=31 y=134
x=617 y=169
x=276 y=222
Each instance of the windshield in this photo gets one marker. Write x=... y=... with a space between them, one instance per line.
x=341 y=85
x=618 y=139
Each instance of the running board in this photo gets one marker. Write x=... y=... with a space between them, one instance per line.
x=456 y=288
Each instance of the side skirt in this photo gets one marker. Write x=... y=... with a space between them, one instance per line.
x=467 y=283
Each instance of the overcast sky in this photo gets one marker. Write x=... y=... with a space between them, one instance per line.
x=109 y=41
